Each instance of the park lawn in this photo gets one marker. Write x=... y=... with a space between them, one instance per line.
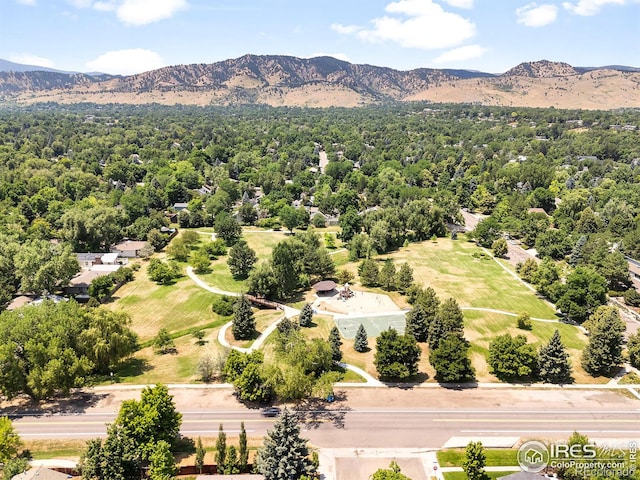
x=364 y=360
x=264 y=318
x=452 y=270
x=148 y=367
x=174 y=307
x=262 y=242
x=496 y=457
x=482 y=327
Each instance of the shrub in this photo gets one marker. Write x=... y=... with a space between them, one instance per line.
x=524 y=322
x=223 y=305
x=632 y=297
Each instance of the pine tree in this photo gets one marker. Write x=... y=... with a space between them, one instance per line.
x=306 y=316
x=404 y=278
x=244 y=324
x=474 y=462
x=336 y=342
x=603 y=354
x=243 y=459
x=361 y=343
x=387 y=277
x=553 y=361
x=576 y=254
x=417 y=324
x=221 y=449
x=200 y=453
x=284 y=454
x=231 y=461
x=369 y=272
x=449 y=319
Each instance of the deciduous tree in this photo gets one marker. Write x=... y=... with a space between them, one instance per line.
x=241 y=259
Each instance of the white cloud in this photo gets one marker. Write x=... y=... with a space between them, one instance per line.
x=419 y=24
x=29 y=59
x=590 y=7
x=534 y=15
x=126 y=62
x=105 y=6
x=31 y=3
x=339 y=56
x=135 y=12
x=143 y=12
x=468 y=4
x=345 y=29
x=460 y=54
x=80 y=3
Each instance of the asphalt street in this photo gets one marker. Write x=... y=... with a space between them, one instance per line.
x=368 y=427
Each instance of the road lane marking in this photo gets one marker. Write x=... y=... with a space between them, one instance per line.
x=524 y=420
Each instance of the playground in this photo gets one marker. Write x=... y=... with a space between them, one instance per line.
x=352 y=308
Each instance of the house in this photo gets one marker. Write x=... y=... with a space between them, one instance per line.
x=41 y=473
x=19 y=301
x=86 y=260
x=79 y=285
x=109 y=259
x=129 y=248
x=179 y=206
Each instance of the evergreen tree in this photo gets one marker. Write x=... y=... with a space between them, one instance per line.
x=284 y=454
x=369 y=272
x=162 y=465
x=243 y=457
x=244 y=324
x=231 y=461
x=603 y=354
x=336 y=342
x=404 y=278
x=387 y=277
x=417 y=324
x=241 y=259
x=361 y=343
x=449 y=319
x=451 y=360
x=576 y=254
x=475 y=461
x=200 y=453
x=306 y=316
x=553 y=361
x=221 y=449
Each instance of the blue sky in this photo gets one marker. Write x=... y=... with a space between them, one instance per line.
x=130 y=36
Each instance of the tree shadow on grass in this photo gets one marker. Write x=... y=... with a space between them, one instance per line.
x=313 y=412
x=132 y=367
x=407 y=384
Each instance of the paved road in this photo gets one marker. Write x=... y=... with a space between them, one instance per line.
x=373 y=427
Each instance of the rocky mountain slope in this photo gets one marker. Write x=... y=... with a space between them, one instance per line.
x=326 y=81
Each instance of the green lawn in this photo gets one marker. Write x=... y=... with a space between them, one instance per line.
x=459 y=269
x=496 y=457
x=463 y=476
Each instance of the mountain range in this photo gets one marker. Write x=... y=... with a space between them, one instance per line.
x=280 y=80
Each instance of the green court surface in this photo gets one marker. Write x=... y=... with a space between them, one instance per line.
x=373 y=323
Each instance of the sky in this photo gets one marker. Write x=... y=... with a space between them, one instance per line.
x=132 y=36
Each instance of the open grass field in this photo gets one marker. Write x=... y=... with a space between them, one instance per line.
x=146 y=366
x=452 y=270
x=482 y=327
x=174 y=307
x=262 y=242
x=496 y=457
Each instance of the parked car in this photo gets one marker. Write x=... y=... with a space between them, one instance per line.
x=271 y=412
